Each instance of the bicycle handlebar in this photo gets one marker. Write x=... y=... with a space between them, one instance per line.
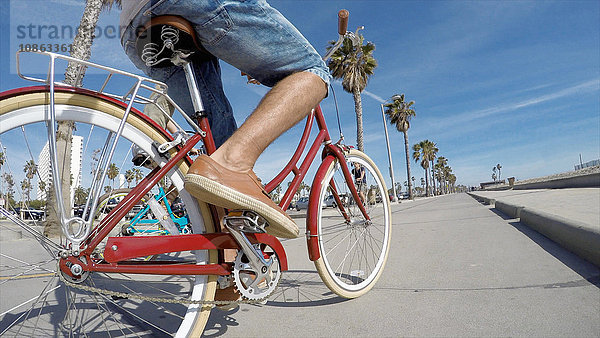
x=342 y=26
x=343 y=21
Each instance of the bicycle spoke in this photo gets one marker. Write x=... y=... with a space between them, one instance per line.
x=353 y=250
x=45 y=308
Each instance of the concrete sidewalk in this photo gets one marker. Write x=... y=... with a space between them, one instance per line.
x=570 y=217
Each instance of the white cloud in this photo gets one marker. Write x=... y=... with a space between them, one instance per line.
x=76 y=3
x=462 y=119
x=374 y=96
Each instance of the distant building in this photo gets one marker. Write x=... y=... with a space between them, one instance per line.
x=45 y=174
x=485 y=185
x=587 y=164
x=122 y=181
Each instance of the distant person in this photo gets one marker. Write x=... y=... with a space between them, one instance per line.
x=359 y=179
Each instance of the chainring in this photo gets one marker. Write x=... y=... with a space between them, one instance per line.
x=252 y=283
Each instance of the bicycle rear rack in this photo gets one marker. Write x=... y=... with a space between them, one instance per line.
x=142 y=91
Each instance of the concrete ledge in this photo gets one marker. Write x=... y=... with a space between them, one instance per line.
x=577 y=237
x=482 y=199
x=574 y=236
x=509 y=209
x=582 y=181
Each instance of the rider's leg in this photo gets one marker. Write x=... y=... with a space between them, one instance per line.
x=226 y=178
x=284 y=106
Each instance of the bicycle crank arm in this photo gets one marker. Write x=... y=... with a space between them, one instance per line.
x=123 y=248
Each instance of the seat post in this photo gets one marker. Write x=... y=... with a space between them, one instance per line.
x=193 y=87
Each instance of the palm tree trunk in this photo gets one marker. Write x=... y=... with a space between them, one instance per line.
x=81 y=49
x=410 y=187
x=433 y=177
x=359 y=123
x=427 y=192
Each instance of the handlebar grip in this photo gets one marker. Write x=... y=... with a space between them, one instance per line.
x=343 y=21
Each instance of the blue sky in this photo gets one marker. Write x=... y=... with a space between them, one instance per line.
x=509 y=82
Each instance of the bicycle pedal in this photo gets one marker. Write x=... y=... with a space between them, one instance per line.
x=245 y=221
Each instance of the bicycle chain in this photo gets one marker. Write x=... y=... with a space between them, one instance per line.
x=157 y=299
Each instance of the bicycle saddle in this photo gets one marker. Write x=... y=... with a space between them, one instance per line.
x=163 y=39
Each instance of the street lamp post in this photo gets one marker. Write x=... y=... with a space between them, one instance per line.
x=387 y=142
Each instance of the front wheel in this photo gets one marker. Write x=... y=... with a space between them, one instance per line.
x=353 y=249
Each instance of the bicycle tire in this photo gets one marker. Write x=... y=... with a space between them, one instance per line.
x=352 y=272
x=27 y=109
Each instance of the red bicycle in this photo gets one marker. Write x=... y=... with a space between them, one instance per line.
x=94 y=277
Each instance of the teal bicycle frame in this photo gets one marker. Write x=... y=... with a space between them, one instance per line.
x=137 y=220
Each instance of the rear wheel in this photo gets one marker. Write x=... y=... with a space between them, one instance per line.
x=40 y=303
x=353 y=249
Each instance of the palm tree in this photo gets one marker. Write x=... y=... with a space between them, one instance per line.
x=10 y=183
x=42 y=186
x=432 y=157
x=443 y=173
x=81 y=195
x=417 y=155
x=81 y=49
x=112 y=173
x=494 y=174
x=29 y=169
x=431 y=151
x=498 y=166
x=437 y=173
x=26 y=188
x=424 y=152
x=452 y=181
x=447 y=175
x=441 y=164
x=400 y=114
x=354 y=65
x=137 y=175
x=129 y=177
x=276 y=194
x=303 y=186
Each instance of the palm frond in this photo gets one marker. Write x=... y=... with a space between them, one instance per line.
x=107 y=4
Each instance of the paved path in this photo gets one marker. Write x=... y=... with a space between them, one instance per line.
x=456 y=268
x=570 y=217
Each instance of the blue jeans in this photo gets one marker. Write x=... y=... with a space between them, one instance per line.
x=248 y=34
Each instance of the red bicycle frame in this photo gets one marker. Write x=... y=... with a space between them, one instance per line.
x=119 y=250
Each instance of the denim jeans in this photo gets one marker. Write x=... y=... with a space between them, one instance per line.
x=248 y=34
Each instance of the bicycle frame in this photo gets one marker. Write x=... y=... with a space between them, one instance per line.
x=180 y=222
x=330 y=152
x=119 y=250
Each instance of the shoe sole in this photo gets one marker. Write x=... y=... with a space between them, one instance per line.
x=209 y=191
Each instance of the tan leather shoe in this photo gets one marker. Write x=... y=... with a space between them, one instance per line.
x=210 y=182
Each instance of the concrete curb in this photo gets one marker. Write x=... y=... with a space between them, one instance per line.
x=482 y=199
x=297 y=215
x=574 y=236
x=509 y=209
